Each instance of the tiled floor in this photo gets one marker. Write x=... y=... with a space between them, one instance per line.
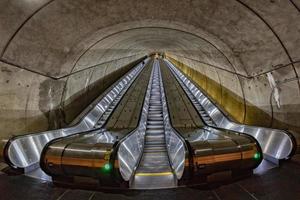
x=277 y=183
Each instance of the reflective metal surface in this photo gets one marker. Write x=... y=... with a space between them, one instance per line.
x=154 y=170
x=24 y=151
x=216 y=150
x=176 y=146
x=154 y=155
x=86 y=156
x=276 y=144
x=131 y=147
x=212 y=151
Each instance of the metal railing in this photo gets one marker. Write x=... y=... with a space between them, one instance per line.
x=131 y=147
x=176 y=146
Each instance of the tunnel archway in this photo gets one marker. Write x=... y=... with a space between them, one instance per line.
x=58 y=58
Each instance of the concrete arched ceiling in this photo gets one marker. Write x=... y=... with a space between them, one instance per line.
x=148 y=40
x=41 y=35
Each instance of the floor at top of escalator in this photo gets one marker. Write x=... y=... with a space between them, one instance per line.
x=278 y=183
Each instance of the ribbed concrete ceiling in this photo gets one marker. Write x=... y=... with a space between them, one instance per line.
x=49 y=36
x=147 y=40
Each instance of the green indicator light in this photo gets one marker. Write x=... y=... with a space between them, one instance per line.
x=256 y=156
x=107 y=167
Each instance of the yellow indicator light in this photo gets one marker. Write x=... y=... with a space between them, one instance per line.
x=154 y=174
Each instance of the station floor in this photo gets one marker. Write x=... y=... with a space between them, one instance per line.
x=278 y=183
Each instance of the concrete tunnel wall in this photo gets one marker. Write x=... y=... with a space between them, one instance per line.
x=37 y=103
x=249 y=102
x=54 y=52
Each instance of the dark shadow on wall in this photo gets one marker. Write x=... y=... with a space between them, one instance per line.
x=16 y=122
x=50 y=92
x=82 y=99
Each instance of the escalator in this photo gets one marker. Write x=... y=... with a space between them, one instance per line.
x=276 y=144
x=215 y=154
x=154 y=169
x=158 y=156
x=152 y=133
x=153 y=155
x=23 y=152
x=147 y=157
x=90 y=154
x=204 y=115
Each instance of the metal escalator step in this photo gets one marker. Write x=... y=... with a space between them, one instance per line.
x=155 y=126
x=154 y=147
x=155 y=122
x=155 y=111
x=160 y=146
x=155 y=106
x=157 y=139
x=155 y=119
x=153 y=100
x=155 y=136
x=155 y=115
x=154 y=170
x=155 y=132
x=157 y=167
x=155 y=143
x=157 y=150
x=154 y=180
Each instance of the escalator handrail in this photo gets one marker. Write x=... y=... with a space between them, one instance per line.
x=146 y=98
x=169 y=125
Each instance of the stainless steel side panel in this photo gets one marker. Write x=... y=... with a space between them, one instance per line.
x=177 y=150
x=276 y=144
x=82 y=157
x=24 y=151
x=131 y=147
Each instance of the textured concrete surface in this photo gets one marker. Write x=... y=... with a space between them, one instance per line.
x=126 y=116
x=56 y=54
x=183 y=116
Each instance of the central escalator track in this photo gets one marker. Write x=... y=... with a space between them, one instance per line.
x=154 y=170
